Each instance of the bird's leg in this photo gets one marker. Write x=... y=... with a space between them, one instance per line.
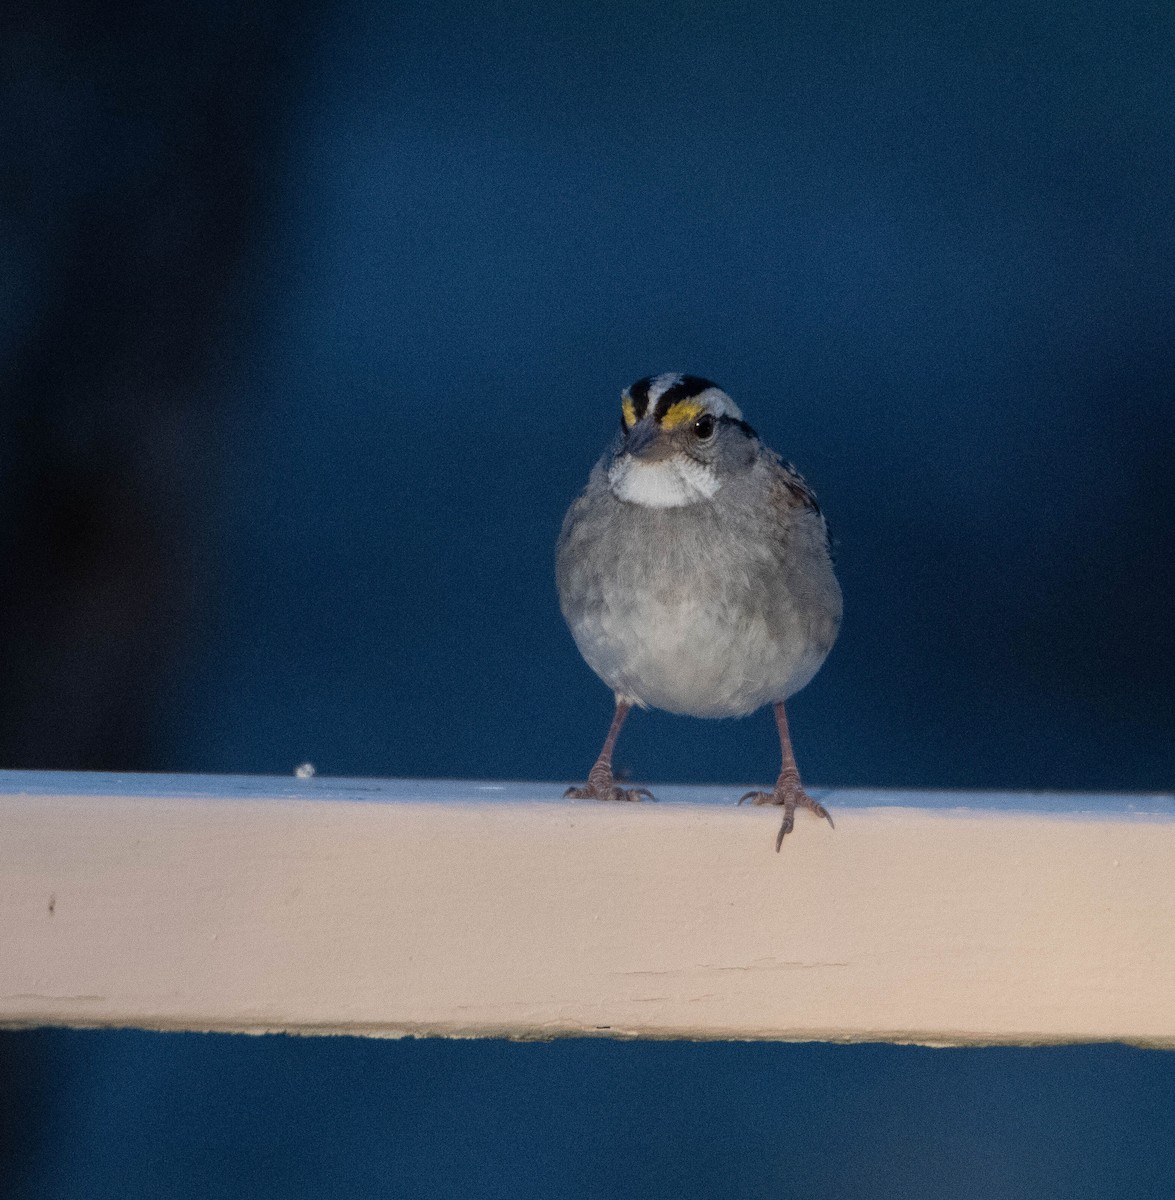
x=600 y=784
x=788 y=790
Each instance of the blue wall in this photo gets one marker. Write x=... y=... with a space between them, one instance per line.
x=187 y=1116
x=929 y=253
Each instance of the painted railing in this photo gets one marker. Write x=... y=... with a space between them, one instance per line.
x=408 y=907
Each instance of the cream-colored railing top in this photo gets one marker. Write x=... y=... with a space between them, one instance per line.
x=392 y=907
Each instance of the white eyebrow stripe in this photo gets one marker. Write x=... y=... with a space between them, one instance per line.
x=716 y=401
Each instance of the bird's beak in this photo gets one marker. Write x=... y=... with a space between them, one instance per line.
x=641 y=437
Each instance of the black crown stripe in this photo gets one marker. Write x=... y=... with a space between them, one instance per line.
x=686 y=388
x=639 y=394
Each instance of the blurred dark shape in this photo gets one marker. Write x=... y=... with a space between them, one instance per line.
x=26 y=1080
x=137 y=145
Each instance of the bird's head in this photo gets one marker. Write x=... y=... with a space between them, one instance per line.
x=682 y=437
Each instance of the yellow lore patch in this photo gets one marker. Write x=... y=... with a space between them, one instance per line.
x=627 y=411
x=682 y=413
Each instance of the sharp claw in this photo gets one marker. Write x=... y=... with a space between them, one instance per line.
x=784 y=830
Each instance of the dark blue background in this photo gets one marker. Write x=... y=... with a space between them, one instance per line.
x=930 y=254
x=136 y=1114
x=312 y=321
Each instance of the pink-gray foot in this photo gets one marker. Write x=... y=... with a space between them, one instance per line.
x=791 y=795
x=789 y=792
x=600 y=783
x=609 y=790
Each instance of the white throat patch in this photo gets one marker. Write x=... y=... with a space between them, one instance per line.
x=670 y=483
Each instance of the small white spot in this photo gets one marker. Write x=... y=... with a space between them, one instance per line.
x=305 y=771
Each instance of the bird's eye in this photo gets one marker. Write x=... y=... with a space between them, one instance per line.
x=704 y=426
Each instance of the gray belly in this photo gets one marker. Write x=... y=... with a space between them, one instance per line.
x=687 y=656
x=682 y=610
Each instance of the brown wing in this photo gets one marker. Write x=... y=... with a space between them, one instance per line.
x=794 y=499
x=797 y=493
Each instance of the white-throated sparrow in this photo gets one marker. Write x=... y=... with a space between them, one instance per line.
x=695 y=575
